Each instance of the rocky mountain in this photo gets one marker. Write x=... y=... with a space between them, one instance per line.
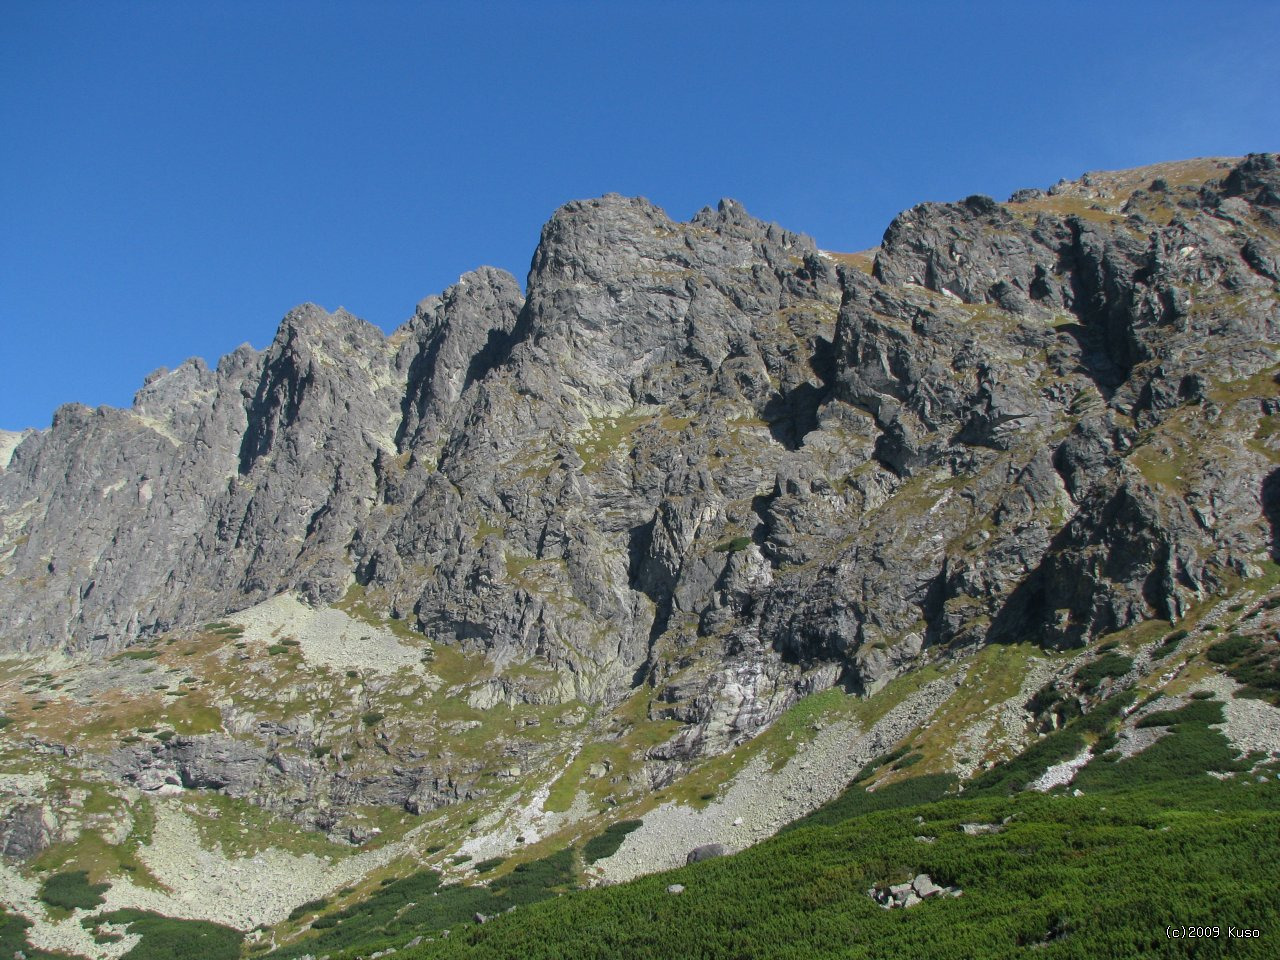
x=624 y=520
x=709 y=442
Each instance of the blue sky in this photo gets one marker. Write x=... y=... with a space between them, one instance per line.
x=175 y=177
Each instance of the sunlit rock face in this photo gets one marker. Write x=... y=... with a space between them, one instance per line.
x=706 y=457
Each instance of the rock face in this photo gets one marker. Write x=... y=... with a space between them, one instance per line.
x=303 y=788
x=9 y=440
x=25 y=831
x=707 y=457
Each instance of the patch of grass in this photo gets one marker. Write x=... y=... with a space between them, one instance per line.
x=606 y=844
x=1200 y=711
x=1235 y=647
x=910 y=760
x=415 y=905
x=372 y=718
x=72 y=890
x=1061 y=880
x=311 y=906
x=13 y=938
x=484 y=866
x=1109 y=665
x=734 y=545
x=1169 y=644
x=604 y=438
x=1058 y=746
x=857 y=801
x=137 y=655
x=893 y=756
x=1255 y=663
x=167 y=938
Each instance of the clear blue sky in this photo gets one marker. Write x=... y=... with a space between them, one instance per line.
x=175 y=176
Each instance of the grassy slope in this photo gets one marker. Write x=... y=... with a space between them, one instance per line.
x=1084 y=867
x=802 y=895
x=1154 y=841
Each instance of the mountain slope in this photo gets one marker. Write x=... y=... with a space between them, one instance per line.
x=687 y=532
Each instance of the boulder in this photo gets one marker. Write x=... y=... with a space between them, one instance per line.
x=707 y=851
x=924 y=886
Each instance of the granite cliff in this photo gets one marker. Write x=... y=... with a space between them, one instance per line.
x=557 y=549
x=708 y=457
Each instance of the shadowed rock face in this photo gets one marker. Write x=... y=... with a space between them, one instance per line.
x=704 y=457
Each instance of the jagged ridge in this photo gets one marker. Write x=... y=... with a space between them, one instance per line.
x=706 y=456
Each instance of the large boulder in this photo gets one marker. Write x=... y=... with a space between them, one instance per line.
x=707 y=851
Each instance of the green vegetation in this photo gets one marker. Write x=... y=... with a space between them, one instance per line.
x=164 y=938
x=605 y=438
x=1169 y=644
x=1231 y=649
x=372 y=718
x=1200 y=711
x=867 y=772
x=857 y=801
x=137 y=655
x=1058 y=746
x=734 y=545
x=1109 y=665
x=72 y=890
x=1251 y=662
x=13 y=938
x=1095 y=876
x=484 y=866
x=417 y=904
x=1175 y=761
x=311 y=906
x=606 y=844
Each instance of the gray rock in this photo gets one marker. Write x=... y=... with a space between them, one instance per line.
x=26 y=829
x=707 y=851
x=981 y=829
x=695 y=456
x=924 y=886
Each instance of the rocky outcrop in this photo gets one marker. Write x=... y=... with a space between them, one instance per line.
x=705 y=456
x=308 y=790
x=9 y=440
x=26 y=829
x=910 y=893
